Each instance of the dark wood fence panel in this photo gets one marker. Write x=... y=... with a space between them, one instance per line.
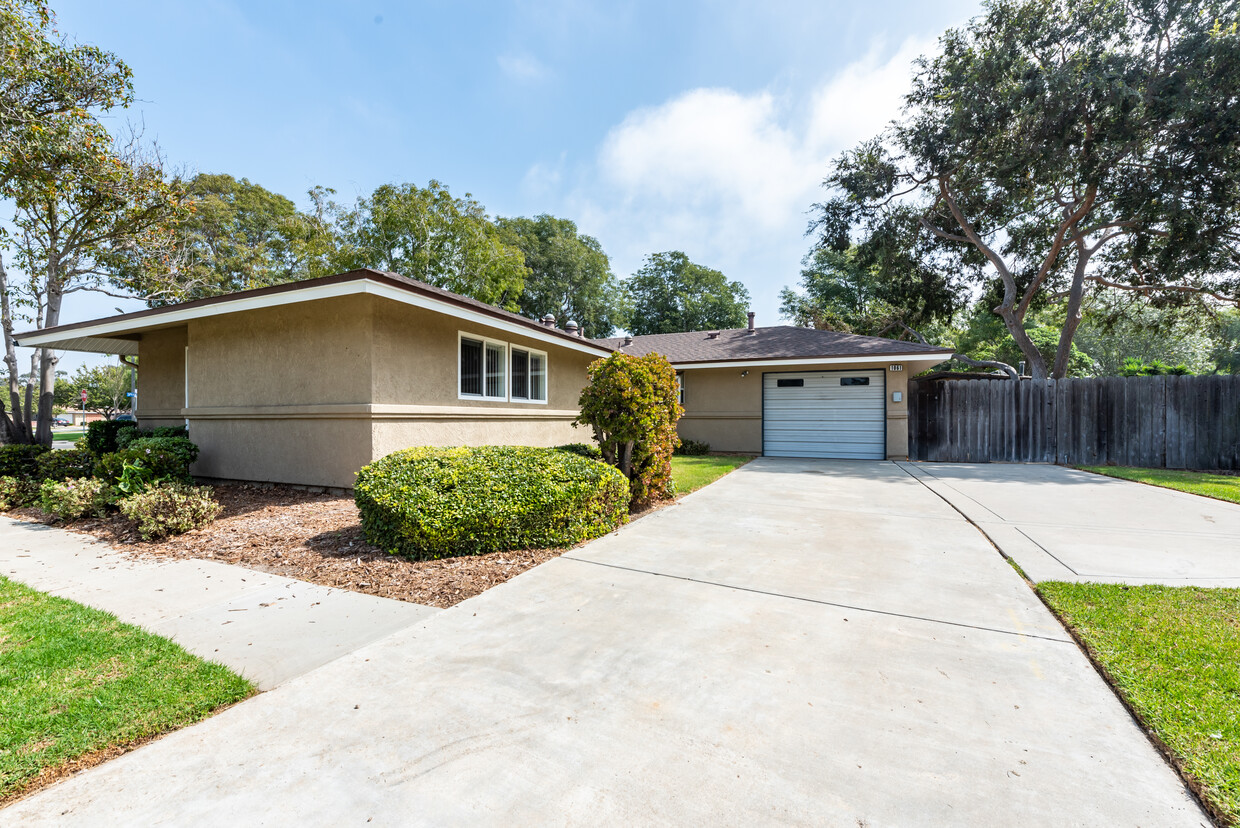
x=1155 y=422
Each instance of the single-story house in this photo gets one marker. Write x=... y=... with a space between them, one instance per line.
x=307 y=382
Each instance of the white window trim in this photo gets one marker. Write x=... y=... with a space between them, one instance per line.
x=546 y=375
x=507 y=346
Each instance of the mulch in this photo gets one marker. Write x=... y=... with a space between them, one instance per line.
x=312 y=537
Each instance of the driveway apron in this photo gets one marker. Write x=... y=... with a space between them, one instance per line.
x=805 y=642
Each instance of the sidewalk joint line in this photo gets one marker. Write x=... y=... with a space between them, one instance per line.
x=820 y=601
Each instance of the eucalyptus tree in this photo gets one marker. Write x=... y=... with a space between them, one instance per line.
x=1059 y=146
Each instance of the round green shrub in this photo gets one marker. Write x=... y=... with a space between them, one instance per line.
x=431 y=502
x=692 y=448
x=162 y=458
x=72 y=499
x=66 y=464
x=101 y=435
x=583 y=449
x=21 y=460
x=170 y=508
x=15 y=492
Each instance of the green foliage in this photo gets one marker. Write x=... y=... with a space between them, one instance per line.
x=169 y=507
x=692 y=448
x=986 y=337
x=1226 y=342
x=74 y=498
x=75 y=681
x=1053 y=145
x=15 y=493
x=1118 y=327
x=856 y=292
x=66 y=464
x=127 y=435
x=21 y=460
x=569 y=275
x=427 y=234
x=670 y=294
x=1134 y=367
x=434 y=502
x=101 y=436
x=1174 y=656
x=147 y=460
x=583 y=450
x=106 y=387
x=631 y=403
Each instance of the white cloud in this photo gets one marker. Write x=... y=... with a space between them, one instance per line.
x=728 y=177
x=522 y=67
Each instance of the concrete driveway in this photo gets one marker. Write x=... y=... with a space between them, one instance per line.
x=1066 y=525
x=806 y=642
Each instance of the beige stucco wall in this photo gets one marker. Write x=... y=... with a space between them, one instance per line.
x=161 y=377
x=310 y=392
x=724 y=408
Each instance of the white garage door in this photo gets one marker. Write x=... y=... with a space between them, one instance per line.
x=825 y=414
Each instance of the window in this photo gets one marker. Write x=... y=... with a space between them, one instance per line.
x=493 y=370
x=680 y=387
x=854 y=380
x=529 y=376
x=792 y=383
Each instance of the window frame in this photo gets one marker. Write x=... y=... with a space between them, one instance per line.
x=546 y=373
x=508 y=347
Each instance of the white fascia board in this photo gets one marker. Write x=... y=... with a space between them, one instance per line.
x=174 y=316
x=931 y=359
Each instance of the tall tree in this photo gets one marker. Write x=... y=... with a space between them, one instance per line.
x=236 y=235
x=106 y=387
x=569 y=275
x=1060 y=145
x=75 y=194
x=430 y=235
x=850 y=292
x=670 y=294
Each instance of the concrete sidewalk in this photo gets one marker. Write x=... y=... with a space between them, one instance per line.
x=1061 y=524
x=803 y=642
x=266 y=627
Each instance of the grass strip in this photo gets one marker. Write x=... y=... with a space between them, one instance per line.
x=1174 y=655
x=692 y=473
x=76 y=682
x=1217 y=486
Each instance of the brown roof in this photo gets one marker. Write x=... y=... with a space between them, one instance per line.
x=779 y=342
x=403 y=282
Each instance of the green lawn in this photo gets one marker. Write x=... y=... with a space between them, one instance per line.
x=692 y=473
x=1220 y=486
x=71 y=434
x=1174 y=654
x=74 y=680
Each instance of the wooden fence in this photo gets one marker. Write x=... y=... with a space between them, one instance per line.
x=1155 y=422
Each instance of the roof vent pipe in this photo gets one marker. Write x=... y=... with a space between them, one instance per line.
x=713 y=335
x=571 y=328
x=751 y=322
x=548 y=321
x=628 y=340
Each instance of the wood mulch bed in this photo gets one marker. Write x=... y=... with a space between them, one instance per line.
x=313 y=537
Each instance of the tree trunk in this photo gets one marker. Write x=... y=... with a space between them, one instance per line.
x=1016 y=327
x=16 y=421
x=48 y=359
x=1072 y=315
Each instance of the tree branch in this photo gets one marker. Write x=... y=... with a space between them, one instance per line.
x=988 y=363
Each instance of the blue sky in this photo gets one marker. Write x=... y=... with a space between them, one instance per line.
x=704 y=127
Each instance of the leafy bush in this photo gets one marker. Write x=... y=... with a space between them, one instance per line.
x=72 y=499
x=127 y=435
x=101 y=435
x=150 y=459
x=66 y=464
x=693 y=448
x=16 y=492
x=583 y=450
x=631 y=403
x=21 y=460
x=170 y=508
x=433 y=502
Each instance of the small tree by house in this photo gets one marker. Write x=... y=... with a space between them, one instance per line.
x=631 y=403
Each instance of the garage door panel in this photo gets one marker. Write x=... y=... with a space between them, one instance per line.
x=822 y=417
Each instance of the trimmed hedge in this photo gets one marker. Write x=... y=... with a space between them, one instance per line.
x=166 y=458
x=66 y=464
x=431 y=502
x=21 y=460
x=692 y=448
x=125 y=436
x=101 y=435
x=583 y=450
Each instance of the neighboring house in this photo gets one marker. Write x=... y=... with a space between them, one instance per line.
x=307 y=382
